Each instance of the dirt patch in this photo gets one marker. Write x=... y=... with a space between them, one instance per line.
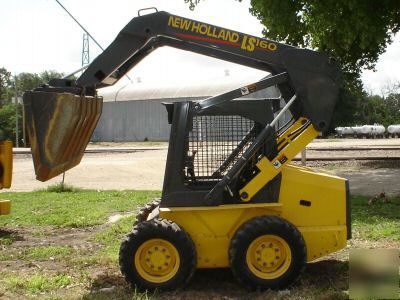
x=25 y=238
x=141 y=170
x=144 y=170
x=102 y=279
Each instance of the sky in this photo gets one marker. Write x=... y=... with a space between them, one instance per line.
x=37 y=35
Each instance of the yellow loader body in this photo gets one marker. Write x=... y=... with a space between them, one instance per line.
x=322 y=219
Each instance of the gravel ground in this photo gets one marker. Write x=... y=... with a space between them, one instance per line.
x=144 y=169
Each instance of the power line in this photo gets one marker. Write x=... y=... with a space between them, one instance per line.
x=88 y=33
x=80 y=25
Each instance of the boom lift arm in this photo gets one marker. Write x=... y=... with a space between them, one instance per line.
x=308 y=82
x=311 y=75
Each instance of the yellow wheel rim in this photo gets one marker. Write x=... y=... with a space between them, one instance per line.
x=157 y=260
x=268 y=257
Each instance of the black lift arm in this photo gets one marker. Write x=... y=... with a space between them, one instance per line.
x=308 y=74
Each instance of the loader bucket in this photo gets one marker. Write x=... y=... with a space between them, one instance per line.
x=59 y=127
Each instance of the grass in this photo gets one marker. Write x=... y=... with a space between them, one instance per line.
x=58 y=265
x=62 y=188
x=112 y=236
x=47 y=252
x=37 y=283
x=376 y=221
x=73 y=209
x=6 y=239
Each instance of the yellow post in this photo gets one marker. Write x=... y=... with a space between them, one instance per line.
x=5 y=207
x=6 y=163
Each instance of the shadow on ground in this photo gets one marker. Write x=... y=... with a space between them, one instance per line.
x=7 y=236
x=325 y=279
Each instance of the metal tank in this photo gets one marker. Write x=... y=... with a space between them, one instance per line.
x=339 y=131
x=378 y=129
x=357 y=130
x=347 y=131
x=394 y=129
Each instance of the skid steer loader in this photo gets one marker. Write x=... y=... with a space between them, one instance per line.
x=231 y=196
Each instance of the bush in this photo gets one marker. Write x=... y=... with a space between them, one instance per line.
x=7 y=121
x=62 y=188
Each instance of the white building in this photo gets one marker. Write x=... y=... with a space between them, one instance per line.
x=134 y=112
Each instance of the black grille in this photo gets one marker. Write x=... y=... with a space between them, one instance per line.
x=215 y=144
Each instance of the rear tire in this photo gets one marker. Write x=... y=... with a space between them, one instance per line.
x=157 y=254
x=146 y=210
x=267 y=252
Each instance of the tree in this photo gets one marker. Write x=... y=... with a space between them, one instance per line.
x=393 y=104
x=50 y=74
x=24 y=81
x=354 y=32
x=27 y=81
x=5 y=85
x=7 y=121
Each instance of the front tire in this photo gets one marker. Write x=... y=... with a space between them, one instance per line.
x=267 y=253
x=157 y=254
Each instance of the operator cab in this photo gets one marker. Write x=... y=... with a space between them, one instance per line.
x=204 y=146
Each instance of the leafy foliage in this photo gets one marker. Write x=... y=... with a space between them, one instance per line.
x=5 y=84
x=7 y=121
x=355 y=32
x=8 y=87
x=23 y=82
x=360 y=108
x=45 y=76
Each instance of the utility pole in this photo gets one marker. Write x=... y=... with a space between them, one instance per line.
x=89 y=36
x=85 y=50
x=16 y=113
x=303 y=157
x=23 y=127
